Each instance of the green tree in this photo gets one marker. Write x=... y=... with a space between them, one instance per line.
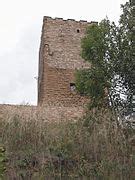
x=126 y=67
x=110 y=51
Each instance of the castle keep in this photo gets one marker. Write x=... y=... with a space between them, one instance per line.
x=59 y=58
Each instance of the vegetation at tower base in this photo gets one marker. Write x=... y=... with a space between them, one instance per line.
x=92 y=147
x=110 y=51
x=2 y=163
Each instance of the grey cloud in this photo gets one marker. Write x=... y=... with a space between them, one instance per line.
x=19 y=67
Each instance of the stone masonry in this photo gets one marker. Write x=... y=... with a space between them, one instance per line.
x=59 y=58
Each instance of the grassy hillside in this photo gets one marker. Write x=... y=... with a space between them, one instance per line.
x=92 y=147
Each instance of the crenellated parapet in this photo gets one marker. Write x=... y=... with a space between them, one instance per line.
x=68 y=20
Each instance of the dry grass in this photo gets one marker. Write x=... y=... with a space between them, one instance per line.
x=89 y=148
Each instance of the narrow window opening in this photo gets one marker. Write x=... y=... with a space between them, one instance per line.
x=72 y=87
x=78 y=30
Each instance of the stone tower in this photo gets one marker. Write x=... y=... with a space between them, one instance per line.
x=59 y=58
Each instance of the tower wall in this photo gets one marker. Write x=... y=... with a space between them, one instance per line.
x=59 y=58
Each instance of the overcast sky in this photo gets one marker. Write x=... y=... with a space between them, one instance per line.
x=20 y=31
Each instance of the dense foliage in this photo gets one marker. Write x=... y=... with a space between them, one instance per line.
x=110 y=51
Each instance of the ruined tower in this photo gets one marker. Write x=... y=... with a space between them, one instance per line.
x=59 y=58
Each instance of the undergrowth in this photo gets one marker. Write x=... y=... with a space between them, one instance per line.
x=92 y=147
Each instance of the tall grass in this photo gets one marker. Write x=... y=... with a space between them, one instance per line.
x=92 y=147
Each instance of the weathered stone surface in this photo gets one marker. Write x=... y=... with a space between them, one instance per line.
x=59 y=58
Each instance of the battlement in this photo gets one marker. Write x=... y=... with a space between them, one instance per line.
x=68 y=20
